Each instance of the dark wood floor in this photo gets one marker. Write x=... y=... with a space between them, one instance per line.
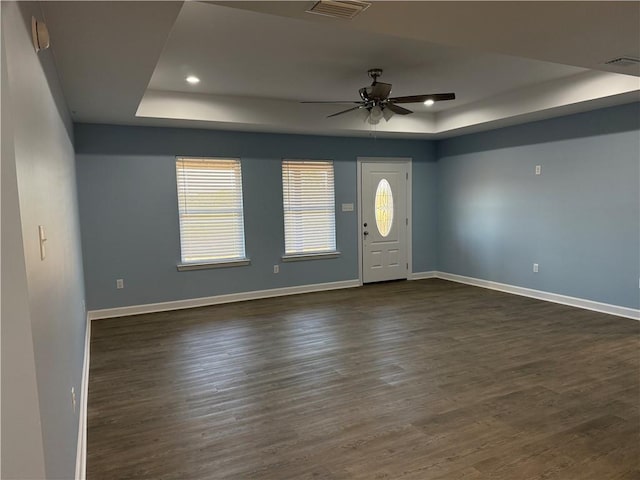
x=410 y=380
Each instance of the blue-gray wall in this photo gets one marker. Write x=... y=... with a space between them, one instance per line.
x=129 y=216
x=579 y=220
x=43 y=316
x=478 y=208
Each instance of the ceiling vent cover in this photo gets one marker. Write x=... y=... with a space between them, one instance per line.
x=623 y=62
x=339 y=9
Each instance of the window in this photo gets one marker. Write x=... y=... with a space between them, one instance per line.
x=309 y=207
x=210 y=208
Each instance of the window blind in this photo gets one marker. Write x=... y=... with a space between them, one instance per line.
x=309 y=207
x=210 y=209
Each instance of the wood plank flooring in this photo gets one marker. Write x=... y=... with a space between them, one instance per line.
x=405 y=380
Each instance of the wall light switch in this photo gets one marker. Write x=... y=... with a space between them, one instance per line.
x=43 y=238
x=347 y=207
x=74 y=402
x=538 y=169
x=535 y=268
x=120 y=283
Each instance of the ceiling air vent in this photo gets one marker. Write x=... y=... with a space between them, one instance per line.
x=339 y=9
x=623 y=62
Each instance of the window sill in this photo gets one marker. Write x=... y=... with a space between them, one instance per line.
x=310 y=256
x=182 y=267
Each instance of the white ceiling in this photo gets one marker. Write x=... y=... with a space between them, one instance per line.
x=507 y=62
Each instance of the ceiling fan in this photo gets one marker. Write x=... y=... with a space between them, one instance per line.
x=375 y=99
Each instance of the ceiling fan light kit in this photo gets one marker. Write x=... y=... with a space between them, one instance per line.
x=375 y=115
x=375 y=99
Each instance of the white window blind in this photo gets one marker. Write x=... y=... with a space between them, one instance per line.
x=309 y=207
x=210 y=207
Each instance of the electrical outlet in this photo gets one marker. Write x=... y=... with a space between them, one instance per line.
x=535 y=268
x=276 y=269
x=74 y=404
x=538 y=169
x=120 y=283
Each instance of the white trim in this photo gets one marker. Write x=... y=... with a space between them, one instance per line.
x=409 y=162
x=310 y=256
x=619 y=311
x=423 y=275
x=184 y=267
x=359 y=209
x=81 y=452
x=218 y=299
x=409 y=219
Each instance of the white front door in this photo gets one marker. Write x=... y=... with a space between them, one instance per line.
x=384 y=220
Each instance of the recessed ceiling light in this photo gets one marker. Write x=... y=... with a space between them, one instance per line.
x=193 y=79
x=429 y=102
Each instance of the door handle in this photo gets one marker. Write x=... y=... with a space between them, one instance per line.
x=366 y=233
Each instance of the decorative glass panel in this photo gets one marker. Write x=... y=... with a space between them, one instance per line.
x=384 y=207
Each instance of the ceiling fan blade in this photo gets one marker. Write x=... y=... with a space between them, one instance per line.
x=379 y=90
x=397 y=109
x=436 y=97
x=345 y=111
x=337 y=101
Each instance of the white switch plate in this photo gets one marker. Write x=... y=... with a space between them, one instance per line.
x=347 y=207
x=535 y=268
x=276 y=269
x=43 y=238
x=538 y=169
x=120 y=283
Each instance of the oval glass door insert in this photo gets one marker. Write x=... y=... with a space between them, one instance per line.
x=384 y=207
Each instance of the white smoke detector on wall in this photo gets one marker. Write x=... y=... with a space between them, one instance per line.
x=40 y=34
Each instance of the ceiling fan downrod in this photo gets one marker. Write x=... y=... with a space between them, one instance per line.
x=374 y=73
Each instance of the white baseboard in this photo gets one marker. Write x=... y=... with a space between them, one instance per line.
x=81 y=452
x=547 y=296
x=219 y=299
x=278 y=292
x=422 y=275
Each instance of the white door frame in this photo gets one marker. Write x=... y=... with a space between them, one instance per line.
x=408 y=161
